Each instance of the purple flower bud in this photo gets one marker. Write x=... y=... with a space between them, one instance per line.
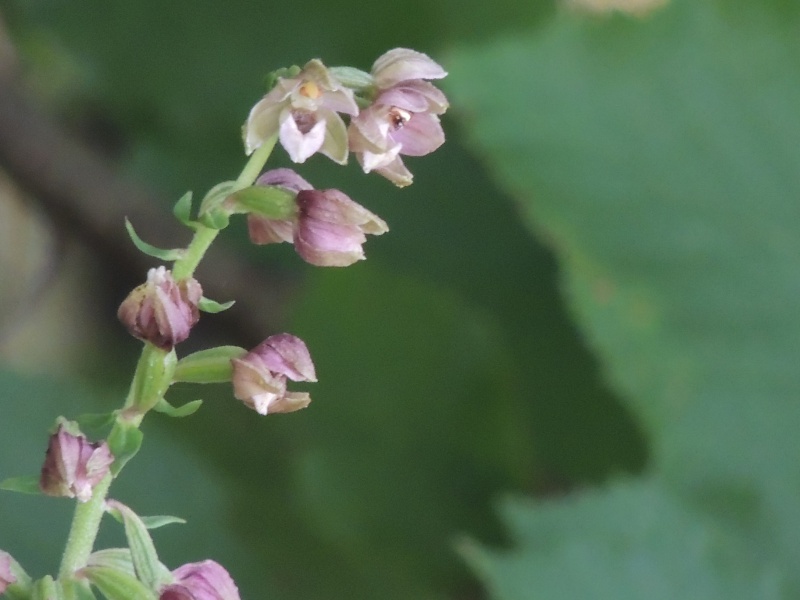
x=161 y=311
x=259 y=377
x=403 y=118
x=73 y=465
x=303 y=112
x=205 y=580
x=331 y=228
x=6 y=576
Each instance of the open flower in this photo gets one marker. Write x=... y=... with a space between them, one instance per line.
x=304 y=112
x=206 y=580
x=329 y=228
x=259 y=377
x=73 y=465
x=161 y=311
x=403 y=118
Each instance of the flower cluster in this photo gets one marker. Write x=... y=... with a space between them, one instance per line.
x=400 y=115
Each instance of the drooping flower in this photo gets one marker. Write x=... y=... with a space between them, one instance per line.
x=206 y=580
x=403 y=118
x=259 y=377
x=331 y=228
x=273 y=231
x=162 y=311
x=328 y=229
x=73 y=465
x=6 y=576
x=303 y=111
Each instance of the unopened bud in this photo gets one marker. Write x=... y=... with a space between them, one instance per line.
x=162 y=311
x=73 y=465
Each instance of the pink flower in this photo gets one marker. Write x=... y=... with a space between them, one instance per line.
x=329 y=228
x=205 y=580
x=259 y=378
x=161 y=311
x=303 y=112
x=6 y=576
x=73 y=465
x=403 y=118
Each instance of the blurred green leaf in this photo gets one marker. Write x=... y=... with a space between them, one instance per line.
x=628 y=542
x=659 y=158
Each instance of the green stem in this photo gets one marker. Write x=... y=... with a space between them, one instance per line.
x=87 y=517
x=83 y=532
x=185 y=266
x=257 y=161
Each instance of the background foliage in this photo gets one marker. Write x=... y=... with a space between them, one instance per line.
x=599 y=268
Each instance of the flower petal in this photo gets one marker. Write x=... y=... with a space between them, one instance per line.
x=420 y=135
x=402 y=64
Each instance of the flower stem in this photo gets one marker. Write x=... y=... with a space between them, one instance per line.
x=185 y=266
x=83 y=532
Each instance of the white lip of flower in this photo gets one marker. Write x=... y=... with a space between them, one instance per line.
x=261 y=402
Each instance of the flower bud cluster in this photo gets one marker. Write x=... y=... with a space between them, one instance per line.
x=401 y=116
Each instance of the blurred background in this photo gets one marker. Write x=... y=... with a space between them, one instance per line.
x=568 y=371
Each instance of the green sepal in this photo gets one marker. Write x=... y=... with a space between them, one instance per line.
x=46 y=589
x=283 y=73
x=117 y=585
x=143 y=552
x=115 y=558
x=96 y=421
x=159 y=253
x=184 y=410
x=183 y=211
x=267 y=201
x=77 y=590
x=208 y=366
x=25 y=484
x=124 y=442
x=22 y=587
x=356 y=79
x=212 y=307
x=156 y=521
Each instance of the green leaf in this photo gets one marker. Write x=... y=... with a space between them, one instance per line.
x=184 y=410
x=143 y=552
x=212 y=307
x=117 y=585
x=627 y=542
x=208 y=366
x=183 y=210
x=659 y=159
x=145 y=248
x=156 y=521
x=25 y=484
x=124 y=441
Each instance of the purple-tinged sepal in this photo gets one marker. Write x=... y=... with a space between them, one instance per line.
x=259 y=377
x=206 y=580
x=331 y=228
x=73 y=465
